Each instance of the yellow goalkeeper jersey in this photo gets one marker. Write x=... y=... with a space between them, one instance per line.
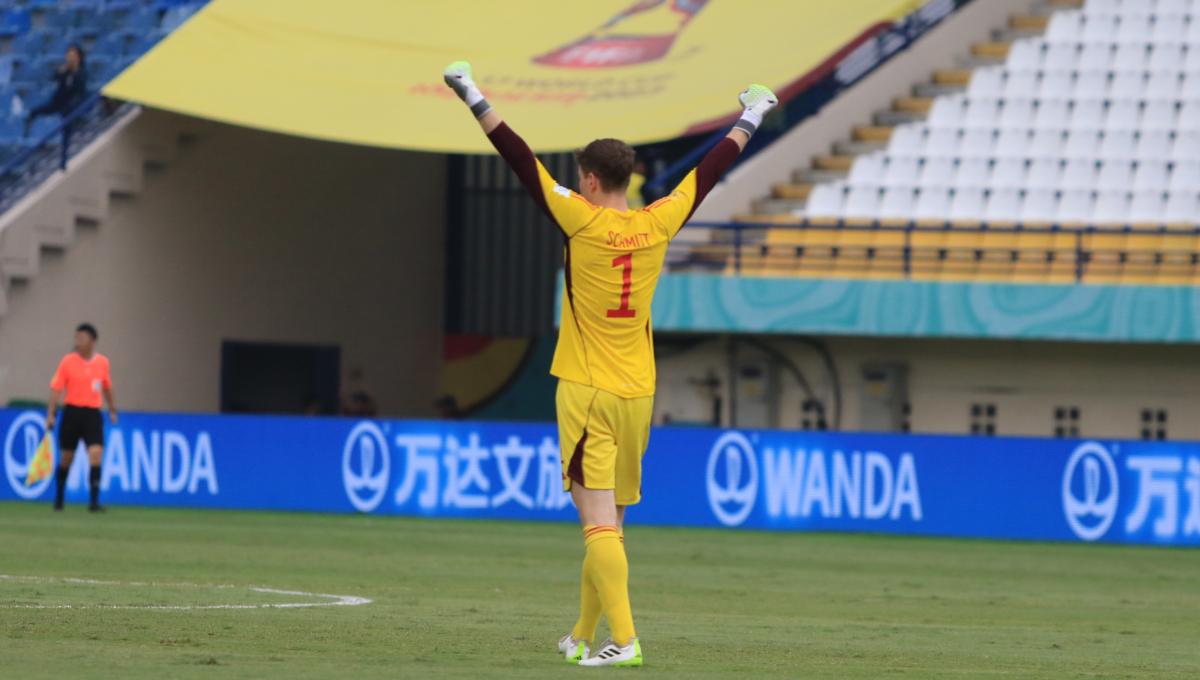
x=612 y=262
x=613 y=259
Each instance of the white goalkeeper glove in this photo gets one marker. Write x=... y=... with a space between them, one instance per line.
x=758 y=100
x=458 y=78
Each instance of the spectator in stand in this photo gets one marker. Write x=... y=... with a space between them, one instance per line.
x=70 y=87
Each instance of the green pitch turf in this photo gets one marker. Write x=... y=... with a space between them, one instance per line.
x=489 y=600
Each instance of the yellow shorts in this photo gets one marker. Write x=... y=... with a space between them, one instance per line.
x=602 y=438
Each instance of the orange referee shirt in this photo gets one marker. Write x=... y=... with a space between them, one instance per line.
x=82 y=379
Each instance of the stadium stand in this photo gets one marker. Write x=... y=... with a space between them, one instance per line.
x=34 y=34
x=1072 y=155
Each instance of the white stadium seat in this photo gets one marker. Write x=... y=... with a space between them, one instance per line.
x=947 y=112
x=932 y=204
x=1091 y=85
x=1056 y=85
x=1021 y=85
x=981 y=114
x=1046 y=144
x=1009 y=173
x=1016 y=114
x=1077 y=174
x=1065 y=27
x=1134 y=28
x=1175 y=6
x=1189 y=116
x=1024 y=56
x=1182 y=207
x=907 y=140
x=1012 y=143
x=1067 y=57
x=901 y=171
x=1189 y=87
x=1082 y=144
x=1039 y=206
x=1191 y=58
x=1051 y=114
x=941 y=143
x=977 y=143
x=936 y=172
x=1111 y=208
x=897 y=203
x=1147 y=207
x=987 y=81
x=1043 y=172
x=867 y=170
x=1087 y=115
x=1093 y=7
x=973 y=172
x=861 y=203
x=1127 y=85
x=1151 y=176
x=1154 y=145
x=967 y=205
x=825 y=200
x=1118 y=145
x=1166 y=58
x=1099 y=28
x=1186 y=146
x=1169 y=29
x=1128 y=57
x=1185 y=176
x=1115 y=176
x=1159 y=115
x=1075 y=207
x=1163 y=85
x=1003 y=205
x=1122 y=114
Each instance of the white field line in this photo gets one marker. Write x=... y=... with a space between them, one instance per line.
x=329 y=600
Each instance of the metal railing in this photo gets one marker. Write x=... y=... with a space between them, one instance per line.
x=53 y=150
x=922 y=251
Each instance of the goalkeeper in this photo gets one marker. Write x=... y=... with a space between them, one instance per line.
x=605 y=355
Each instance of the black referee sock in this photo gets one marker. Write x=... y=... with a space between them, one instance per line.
x=94 y=484
x=60 y=485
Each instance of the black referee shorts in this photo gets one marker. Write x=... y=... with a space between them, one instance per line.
x=80 y=423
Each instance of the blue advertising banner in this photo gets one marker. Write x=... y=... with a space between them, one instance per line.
x=1044 y=489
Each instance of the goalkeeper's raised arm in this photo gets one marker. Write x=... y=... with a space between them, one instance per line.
x=555 y=201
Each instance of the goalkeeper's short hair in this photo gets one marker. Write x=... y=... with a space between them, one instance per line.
x=611 y=160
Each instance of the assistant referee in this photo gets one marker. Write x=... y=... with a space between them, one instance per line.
x=84 y=377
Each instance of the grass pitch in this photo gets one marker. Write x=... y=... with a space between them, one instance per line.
x=480 y=599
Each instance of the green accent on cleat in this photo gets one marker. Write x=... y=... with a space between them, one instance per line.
x=636 y=661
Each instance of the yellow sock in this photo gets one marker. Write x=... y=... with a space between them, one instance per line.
x=589 y=603
x=608 y=569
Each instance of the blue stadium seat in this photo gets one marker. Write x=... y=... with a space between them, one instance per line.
x=32 y=41
x=14 y=22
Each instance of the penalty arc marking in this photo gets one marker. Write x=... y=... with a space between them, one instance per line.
x=324 y=599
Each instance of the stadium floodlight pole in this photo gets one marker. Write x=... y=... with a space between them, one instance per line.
x=605 y=355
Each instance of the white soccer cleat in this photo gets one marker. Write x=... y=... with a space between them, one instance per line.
x=759 y=99
x=612 y=654
x=573 y=650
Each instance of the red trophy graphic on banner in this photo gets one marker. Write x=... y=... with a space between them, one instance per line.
x=642 y=33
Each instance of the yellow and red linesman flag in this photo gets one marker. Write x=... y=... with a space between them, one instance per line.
x=42 y=463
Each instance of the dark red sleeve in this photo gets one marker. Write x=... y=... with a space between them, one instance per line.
x=520 y=158
x=714 y=164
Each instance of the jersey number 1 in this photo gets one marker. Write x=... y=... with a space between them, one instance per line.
x=625 y=262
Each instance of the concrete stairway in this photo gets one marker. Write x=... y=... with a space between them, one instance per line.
x=113 y=163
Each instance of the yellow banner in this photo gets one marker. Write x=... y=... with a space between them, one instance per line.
x=562 y=73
